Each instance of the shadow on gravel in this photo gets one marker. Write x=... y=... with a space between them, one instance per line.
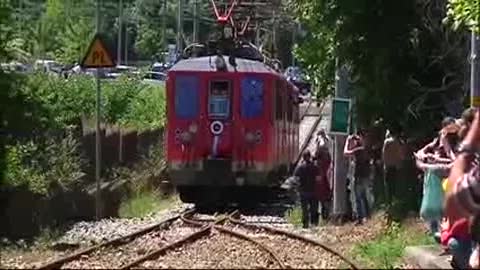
x=260 y=209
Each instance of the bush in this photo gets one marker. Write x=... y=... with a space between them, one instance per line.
x=386 y=251
x=44 y=166
x=294 y=216
x=146 y=110
x=144 y=203
x=44 y=162
x=126 y=101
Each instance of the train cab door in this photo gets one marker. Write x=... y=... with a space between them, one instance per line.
x=219 y=123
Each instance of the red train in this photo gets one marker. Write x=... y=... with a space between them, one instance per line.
x=229 y=127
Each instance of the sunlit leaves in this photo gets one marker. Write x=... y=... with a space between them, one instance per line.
x=464 y=13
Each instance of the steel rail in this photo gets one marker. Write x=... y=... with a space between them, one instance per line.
x=238 y=235
x=114 y=242
x=250 y=239
x=206 y=229
x=296 y=236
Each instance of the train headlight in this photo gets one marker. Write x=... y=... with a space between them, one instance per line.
x=193 y=128
x=186 y=137
x=258 y=136
x=250 y=137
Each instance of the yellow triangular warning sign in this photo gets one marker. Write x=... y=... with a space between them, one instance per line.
x=97 y=55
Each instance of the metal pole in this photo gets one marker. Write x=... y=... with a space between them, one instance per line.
x=119 y=46
x=97 y=134
x=179 y=26
x=474 y=70
x=164 y=25
x=125 y=44
x=195 y=21
x=274 y=36
x=257 y=30
x=340 y=164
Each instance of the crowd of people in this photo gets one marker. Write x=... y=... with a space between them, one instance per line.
x=450 y=174
x=449 y=194
x=315 y=175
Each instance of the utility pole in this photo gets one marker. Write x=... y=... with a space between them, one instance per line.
x=98 y=153
x=257 y=30
x=179 y=27
x=125 y=44
x=274 y=36
x=341 y=164
x=474 y=71
x=164 y=25
x=119 y=45
x=195 y=21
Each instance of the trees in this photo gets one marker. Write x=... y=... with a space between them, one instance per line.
x=464 y=13
x=406 y=66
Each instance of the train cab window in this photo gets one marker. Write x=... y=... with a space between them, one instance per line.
x=186 y=97
x=252 y=97
x=219 y=97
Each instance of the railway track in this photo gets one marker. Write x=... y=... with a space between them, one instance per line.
x=218 y=241
x=170 y=243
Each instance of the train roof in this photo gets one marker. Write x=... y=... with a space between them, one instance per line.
x=207 y=64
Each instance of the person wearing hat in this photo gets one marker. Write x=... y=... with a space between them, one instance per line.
x=306 y=173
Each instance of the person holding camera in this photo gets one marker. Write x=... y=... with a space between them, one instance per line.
x=355 y=148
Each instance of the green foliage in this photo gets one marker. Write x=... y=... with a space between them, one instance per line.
x=386 y=251
x=144 y=203
x=46 y=163
x=400 y=57
x=126 y=101
x=147 y=110
x=47 y=236
x=44 y=166
x=294 y=216
x=464 y=13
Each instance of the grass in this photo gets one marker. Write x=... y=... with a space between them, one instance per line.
x=48 y=236
x=144 y=203
x=386 y=251
x=294 y=216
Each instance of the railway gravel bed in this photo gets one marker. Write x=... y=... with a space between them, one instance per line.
x=218 y=251
x=293 y=253
x=116 y=257
x=88 y=233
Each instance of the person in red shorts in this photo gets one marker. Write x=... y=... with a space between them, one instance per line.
x=457 y=239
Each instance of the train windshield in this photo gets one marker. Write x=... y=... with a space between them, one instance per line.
x=252 y=97
x=219 y=99
x=186 y=97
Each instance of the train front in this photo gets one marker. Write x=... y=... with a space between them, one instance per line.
x=217 y=126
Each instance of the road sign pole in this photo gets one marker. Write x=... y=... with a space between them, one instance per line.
x=340 y=163
x=97 y=131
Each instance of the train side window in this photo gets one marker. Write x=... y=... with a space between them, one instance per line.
x=278 y=101
x=186 y=97
x=252 y=97
x=219 y=97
